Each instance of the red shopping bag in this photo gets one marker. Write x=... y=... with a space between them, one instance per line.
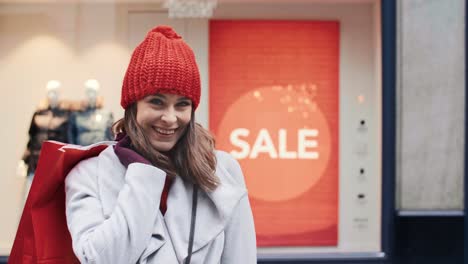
x=42 y=235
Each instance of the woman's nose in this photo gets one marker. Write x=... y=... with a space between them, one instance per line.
x=169 y=117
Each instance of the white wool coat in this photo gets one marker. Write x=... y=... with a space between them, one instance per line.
x=113 y=215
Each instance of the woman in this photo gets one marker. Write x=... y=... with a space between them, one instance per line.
x=162 y=194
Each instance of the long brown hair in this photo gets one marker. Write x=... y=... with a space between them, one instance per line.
x=192 y=157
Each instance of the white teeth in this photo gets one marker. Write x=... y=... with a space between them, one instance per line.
x=165 y=131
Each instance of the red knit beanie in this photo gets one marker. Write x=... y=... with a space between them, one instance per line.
x=162 y=63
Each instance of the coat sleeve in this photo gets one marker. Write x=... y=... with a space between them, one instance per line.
x=124 y=235
x=108 y=132
x=72 y=131
x=240 y=245
x=31 y=132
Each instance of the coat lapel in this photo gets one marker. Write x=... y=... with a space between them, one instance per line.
x=213 y=212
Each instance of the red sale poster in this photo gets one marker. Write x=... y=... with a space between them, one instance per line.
x=274 y=105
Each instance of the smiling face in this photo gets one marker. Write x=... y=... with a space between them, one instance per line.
x=164 y=118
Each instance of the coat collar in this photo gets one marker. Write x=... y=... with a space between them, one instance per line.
x=213 y=211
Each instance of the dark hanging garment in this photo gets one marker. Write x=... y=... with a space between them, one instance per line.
x=90 y=126
x=47 y=124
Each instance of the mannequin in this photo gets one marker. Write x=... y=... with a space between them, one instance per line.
x=92 y=124
x=49 y=122
x=53 y=93
x=91 y=91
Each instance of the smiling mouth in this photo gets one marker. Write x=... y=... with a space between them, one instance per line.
x=165 y=132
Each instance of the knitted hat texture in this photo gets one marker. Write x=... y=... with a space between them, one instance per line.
x=162 y=63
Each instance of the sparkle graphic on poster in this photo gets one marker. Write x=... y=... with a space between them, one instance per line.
x=274 y=106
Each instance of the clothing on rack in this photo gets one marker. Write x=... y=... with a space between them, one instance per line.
x=46 y=124
x=90 y=126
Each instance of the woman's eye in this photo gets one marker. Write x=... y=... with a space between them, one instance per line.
x=184 y=103
x=156 y=101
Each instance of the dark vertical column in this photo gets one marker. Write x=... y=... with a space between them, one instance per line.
x=388 y=124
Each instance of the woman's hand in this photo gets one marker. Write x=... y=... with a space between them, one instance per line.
x=126 y=154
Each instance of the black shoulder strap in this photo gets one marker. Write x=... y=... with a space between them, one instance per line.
x=192 y=223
